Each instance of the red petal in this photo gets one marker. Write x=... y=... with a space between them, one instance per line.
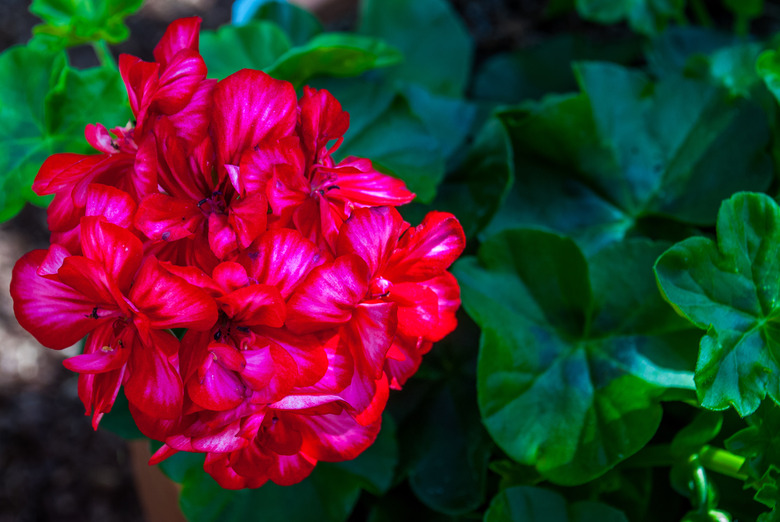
x=164 y=218
x=103 y=352
x=307 y=351
x=372 y=234
x=141 y=82
x=282 y=258
x=418 y=308
x=222 y=236
x=181 y=34
x=250 y=107
x=115 y=248
x=447 y=292
x=169 y=301
x=270 y=371
x=178 y=82
x=248 y=217
x=153 y=384
x=114 y=205
x=218 y=466
x=337 y=437
x=98 y=392
x=216 y=386
x=254 y=305
x=427 y=250
x=230 y=276
x=369 y=335
x=54 y=313
x=329 y=295
x=322 y=120
x=359 y=183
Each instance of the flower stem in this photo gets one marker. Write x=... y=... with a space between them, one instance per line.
x=103 y=54
x=723 y=462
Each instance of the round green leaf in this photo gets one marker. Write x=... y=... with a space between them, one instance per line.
x=572 y=359
x=254 y=45
x=731 y=288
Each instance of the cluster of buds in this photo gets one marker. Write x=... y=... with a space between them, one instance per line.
x=255 y=299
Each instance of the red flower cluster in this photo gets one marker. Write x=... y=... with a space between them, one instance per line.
x=304 y=294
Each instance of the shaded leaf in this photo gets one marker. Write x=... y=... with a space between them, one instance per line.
x=299 y=25
x=627 y=149
x=434 y=41
x=573 y=359
x=479 y=186
x=333 y=54
x=644 y=16
x=527 y=504
x=730 y=288
x=43 y=110
x=255 y=45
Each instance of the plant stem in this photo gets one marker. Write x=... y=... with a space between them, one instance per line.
x=103 y=53
x=723 y=462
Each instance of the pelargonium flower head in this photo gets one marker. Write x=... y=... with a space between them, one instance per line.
x=224 y=210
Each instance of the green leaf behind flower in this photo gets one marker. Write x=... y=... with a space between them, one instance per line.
x=76 y=22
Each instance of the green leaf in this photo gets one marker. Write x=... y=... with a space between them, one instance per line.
x=759 y=443
x=76 y=22
x=44 y=107
x=333 y=54
x=730 y=288
x=479 y=186
x=768 y=68
x=299 y=25
x=527 y=504
x=689 y=440
x=627 y=149
x=436 y=45
x=573 y=358
x=644 y=16
x=531 y=73
x=255 y=45
x=449 y=449
x=328 y=494
x=670 y=51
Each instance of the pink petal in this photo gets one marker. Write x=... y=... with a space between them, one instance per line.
x=307 y=351
x=254 y=305
x=218 y=466
x=282 y=258
x=248 y=217
x=418 y=308
x=103 y=352
x=359 y=183
x=216 y=386
x=257 y=164
x=427 y=250
x=222 y=236
x=371 y=233
x=89 y=279
x=164 y=218
x=403 y=359
x=230 y=276
x=153 y=384
x=192 y=122
x=329 y=295
x=447 y=292
x=99 y=138
x=181 y=34
x=369 y=334
x=169 y=301
x=178 y=82
x=114 y=205
x=98 y=392
x=141 y=82
x=322 y=120
x=250 y=107
x=270 y=371
x=118 y=250
x=337 y=437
